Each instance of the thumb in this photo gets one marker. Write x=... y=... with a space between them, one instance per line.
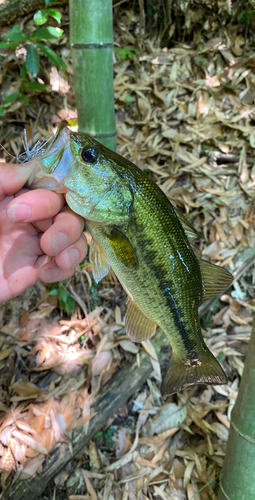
x=13 y=177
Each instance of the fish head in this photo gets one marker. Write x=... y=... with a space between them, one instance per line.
x=78 y=166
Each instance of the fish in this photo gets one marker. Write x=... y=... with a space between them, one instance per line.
x=138 y=233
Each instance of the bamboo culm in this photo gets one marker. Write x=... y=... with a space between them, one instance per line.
x=91 y=38
x=238 y=473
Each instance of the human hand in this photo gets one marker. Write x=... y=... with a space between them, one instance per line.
x=37 y=241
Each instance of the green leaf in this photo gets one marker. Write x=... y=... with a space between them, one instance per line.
x=66 y=300
x=11 y=98
x=47 y=33
x=221 y=357
x=2 y=109
x=63 y=294
x=14 y=29
x=55 y=291
x=40 y=17
x=24 y=98
x=55 y=14
x=32 y=60
x=4 y=45
x=52 y=55
x=23 y=70
x=48 y=2
x=36 y=85
x=128 y=98
x=17 y=37
x=72 y=123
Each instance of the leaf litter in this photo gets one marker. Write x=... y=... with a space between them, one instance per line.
x=185 y=115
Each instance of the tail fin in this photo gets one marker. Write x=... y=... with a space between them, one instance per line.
x=183 y=373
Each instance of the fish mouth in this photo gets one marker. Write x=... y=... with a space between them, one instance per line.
x=51 y=167
x=61 y=136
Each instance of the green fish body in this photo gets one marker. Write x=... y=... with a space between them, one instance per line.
x=137 y=232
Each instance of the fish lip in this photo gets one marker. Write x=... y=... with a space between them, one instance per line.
x=59 y=133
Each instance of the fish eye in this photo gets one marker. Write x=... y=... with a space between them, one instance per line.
x=89 y=155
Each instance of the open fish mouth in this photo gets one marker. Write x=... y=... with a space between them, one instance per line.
x=50 y=144
x=51 y=159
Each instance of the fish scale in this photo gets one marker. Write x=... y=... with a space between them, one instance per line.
x=158 y=257
x=137 y=231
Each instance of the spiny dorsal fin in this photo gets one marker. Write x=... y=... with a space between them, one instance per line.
x=215 y=279
x=100 y=266
x=122 y=248
x=191 y=233
x=182 y=374
x=189 y=229
x=138 y=326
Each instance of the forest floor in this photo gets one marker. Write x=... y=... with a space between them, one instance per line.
x=185 y=115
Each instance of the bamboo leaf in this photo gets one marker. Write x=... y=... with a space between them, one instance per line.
x=40 y=17
x=47 y=33
x=52 y=55
x=32 y=60
x=11 y=98
x=2 y=109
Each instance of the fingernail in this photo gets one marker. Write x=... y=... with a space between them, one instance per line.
x=52 y=274
x=58 y=242
x=74 y=256
x=19 y=212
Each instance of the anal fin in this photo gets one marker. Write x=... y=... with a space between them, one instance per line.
x=138 y=326
x=215 y=279
x=100 y=266
x=183 y=373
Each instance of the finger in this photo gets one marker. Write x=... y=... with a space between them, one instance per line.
x=73 y=255
x=35 y=205
x=51 y=273
x=43 y=225
x=65 y=230
x=13 y=177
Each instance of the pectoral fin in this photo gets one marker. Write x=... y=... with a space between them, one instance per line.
x=122 y=248
x=183 y=373
x=138 y=326
x=215 y=279
x=100 y=266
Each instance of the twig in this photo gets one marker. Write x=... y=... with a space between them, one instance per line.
x=226 y=157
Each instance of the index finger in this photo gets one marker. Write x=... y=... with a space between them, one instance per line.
x=35 y=205
x=13 y=177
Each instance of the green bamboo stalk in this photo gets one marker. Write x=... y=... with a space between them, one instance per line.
x=238 y=473
x=91 y=38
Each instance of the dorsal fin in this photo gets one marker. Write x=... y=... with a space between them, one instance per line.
x=215 y=279
x=138 y=326
x=100 y=266
x=189 y=229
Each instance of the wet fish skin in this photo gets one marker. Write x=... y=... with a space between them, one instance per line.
x=137 y=232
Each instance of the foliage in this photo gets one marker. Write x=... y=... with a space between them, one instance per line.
x=31 y=45
x=66 y=300
x=126 y=52
x=247 y=17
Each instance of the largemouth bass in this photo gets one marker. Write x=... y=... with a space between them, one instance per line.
x=137 y=231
